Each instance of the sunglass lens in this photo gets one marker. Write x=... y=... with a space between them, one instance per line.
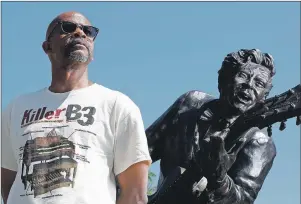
x=90 y=31
x=68 y=27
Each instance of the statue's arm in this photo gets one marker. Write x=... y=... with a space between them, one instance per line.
x=246 y=177
x=158 y=131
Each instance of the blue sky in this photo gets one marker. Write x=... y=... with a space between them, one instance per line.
x=156 y=51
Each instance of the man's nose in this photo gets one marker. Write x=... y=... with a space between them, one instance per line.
x=79 y=33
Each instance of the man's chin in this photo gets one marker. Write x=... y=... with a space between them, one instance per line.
x=78 y=56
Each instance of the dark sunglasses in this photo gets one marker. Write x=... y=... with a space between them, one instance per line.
x=69 y=27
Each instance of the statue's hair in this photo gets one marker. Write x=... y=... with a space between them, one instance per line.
x=235 y=60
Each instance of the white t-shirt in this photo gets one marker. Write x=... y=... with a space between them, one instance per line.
x=68 y=148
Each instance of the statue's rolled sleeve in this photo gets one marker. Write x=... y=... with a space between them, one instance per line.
x=245 y=178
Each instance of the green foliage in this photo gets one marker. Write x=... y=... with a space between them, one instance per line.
x=150 y=186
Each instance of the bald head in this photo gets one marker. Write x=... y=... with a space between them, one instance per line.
x=71 y=16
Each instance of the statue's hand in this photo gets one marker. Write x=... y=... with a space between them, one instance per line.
x=215 y=159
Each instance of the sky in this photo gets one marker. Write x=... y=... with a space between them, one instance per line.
x=156 y=51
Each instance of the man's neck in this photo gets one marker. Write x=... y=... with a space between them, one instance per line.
x=70 y=78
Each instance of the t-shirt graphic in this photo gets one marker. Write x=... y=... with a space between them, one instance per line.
x=49 y=159
x=52 y=161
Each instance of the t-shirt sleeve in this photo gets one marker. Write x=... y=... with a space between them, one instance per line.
x=130 y=142
x=8 y=160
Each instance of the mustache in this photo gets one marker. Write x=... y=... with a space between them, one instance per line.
x=76 y=41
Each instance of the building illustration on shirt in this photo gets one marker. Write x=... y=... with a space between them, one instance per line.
x=48 y=163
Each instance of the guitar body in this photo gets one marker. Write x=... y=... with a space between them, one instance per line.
x=177 y=188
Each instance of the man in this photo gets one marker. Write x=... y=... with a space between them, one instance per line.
x=69 y=142
x=194 y=130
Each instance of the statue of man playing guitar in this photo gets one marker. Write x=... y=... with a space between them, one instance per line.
x=194 y=133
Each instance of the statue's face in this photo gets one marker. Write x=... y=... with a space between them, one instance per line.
x=248 y=87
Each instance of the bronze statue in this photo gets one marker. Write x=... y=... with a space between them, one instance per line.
x=214 y=150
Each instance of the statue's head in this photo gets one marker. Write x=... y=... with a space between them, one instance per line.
x=245 y=78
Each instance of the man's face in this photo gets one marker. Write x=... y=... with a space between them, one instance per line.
x=73 y=46
x=249 y=86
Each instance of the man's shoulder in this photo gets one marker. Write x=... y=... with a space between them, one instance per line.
x=116 y=96
x=25 y=97
x=108 y=92
x=104 y=91
x=21 y=100
x=121 y=102
x=32 y=93
x=126 y=103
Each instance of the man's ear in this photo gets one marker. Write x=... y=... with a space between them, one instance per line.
x=46 y=47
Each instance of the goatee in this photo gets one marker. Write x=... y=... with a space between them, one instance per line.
x=77 y=57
